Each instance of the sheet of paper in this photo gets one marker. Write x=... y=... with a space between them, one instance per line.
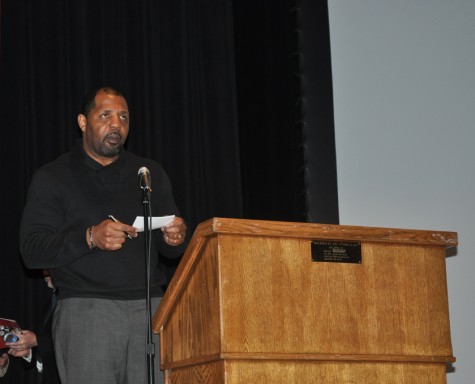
x=157 y=222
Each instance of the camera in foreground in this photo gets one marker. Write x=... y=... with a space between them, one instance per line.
x=7 y=334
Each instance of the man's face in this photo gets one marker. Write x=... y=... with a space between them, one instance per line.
x=106 y=127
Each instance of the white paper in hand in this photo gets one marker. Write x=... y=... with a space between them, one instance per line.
x=157 y=222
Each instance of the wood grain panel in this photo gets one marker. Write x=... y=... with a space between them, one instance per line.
x=297 y=372
x=333 y=373
x=277 y=299
x=193 y=329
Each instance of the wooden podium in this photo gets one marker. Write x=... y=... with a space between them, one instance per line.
x=280 y=302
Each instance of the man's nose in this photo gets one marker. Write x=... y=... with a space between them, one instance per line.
x=115 y=121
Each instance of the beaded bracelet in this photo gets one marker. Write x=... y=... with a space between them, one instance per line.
x=91 y=238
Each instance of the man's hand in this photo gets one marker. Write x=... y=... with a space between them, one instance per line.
x=110 y=236
x=3 y=360
x=22 y=347
x=175 y=232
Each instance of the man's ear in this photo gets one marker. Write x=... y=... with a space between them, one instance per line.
x=82 y=122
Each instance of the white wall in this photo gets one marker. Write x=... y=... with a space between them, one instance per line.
x=404 y=94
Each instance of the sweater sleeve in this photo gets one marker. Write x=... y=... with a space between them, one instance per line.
x=44 y=240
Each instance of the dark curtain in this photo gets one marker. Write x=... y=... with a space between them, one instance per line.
x=268 y=96
x=317 y=113
x=214 y=91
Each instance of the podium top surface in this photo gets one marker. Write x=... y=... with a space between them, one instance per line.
x=219 y=225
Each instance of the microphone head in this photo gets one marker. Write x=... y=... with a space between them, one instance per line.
x=144 y=176
x=143 y=170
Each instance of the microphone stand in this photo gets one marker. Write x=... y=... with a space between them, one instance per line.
x=150 y=347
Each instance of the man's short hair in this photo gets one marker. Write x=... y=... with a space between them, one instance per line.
x=89 y=102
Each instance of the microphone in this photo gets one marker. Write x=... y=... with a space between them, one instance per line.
x=145 y=180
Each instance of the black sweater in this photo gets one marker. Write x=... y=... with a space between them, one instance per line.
x=74 y=192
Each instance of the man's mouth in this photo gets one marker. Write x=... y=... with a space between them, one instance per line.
x=113 y=138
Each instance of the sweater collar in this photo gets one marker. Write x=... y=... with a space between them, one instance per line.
x=89 y=162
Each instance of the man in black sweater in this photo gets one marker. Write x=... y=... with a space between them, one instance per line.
x=98 y=264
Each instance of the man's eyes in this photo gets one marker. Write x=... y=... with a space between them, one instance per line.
x=107 y=115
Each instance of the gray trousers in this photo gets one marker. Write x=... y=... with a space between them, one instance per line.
x=99 y=341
